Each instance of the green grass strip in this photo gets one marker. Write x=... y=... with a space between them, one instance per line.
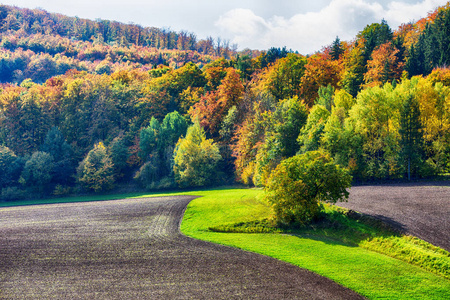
x=365 y=271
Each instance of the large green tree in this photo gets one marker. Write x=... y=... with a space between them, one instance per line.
x=299 y=184
x=280 y=141
x=157 y=143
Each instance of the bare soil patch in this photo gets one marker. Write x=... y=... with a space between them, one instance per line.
x=420 y=209
x=132 y=249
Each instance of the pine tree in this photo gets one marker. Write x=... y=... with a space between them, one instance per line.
x=411 y=136
x=336 y=49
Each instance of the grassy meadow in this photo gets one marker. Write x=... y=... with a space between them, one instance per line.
x=357 y=256
x=358 y=253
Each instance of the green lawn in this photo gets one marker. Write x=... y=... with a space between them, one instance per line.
x=369 y=273
x=337 y=254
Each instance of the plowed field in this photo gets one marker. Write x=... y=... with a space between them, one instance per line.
x=422 y=210
x=132 y=249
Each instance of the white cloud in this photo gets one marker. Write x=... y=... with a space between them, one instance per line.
x=400 y=12
x=244 y=22
x=309 y=32
x=301 y=25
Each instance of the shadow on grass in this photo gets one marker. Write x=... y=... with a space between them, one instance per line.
x=335 y=226
x=339 y=226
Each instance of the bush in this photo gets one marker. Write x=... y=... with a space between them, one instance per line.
x=12 y=194
x=298 y=185
x=61 y=190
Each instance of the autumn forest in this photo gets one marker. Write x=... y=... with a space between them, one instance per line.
x=89 y=105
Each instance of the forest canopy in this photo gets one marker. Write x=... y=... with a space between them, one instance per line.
x=82 y=99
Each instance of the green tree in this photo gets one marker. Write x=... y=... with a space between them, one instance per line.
x=411 y=137
x=37 y=172
x=299 y=184
x=228 y=125
x=310 y=136
x=119 y=155
x=280 y=141
x=196 y=159
x=173 y=127
x=336 y=49
x=55 y=145
x=284 y=79
x=355 y=67
x=96 y=171
x=150 y=139
x=157 y=143
x=326 y=97
x=10 y=167
x=375 y=118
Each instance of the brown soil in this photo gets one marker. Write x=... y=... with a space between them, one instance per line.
x=421 y=209
x=132 y=249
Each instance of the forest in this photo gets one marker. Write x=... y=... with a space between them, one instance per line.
x=86 y=106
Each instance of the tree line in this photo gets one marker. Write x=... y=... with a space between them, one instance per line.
x=222 y=120
x=39 y=21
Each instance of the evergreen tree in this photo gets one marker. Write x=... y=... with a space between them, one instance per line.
x=336 y=49
x=411 y=140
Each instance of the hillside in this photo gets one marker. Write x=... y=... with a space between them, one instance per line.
x=86 y=100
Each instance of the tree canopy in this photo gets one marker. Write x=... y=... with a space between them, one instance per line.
x=119 y=99
x=299 y=184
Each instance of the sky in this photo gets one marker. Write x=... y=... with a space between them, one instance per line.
x=303 y=26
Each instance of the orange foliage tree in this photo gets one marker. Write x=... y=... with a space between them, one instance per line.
x=384 y=65
x=213 y=107
x=320 y=70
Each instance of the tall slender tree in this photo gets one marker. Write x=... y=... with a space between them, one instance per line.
x=411 y=140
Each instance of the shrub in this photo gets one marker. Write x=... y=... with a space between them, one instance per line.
x=12 y=194
x=61 y=190
x=298 y=185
